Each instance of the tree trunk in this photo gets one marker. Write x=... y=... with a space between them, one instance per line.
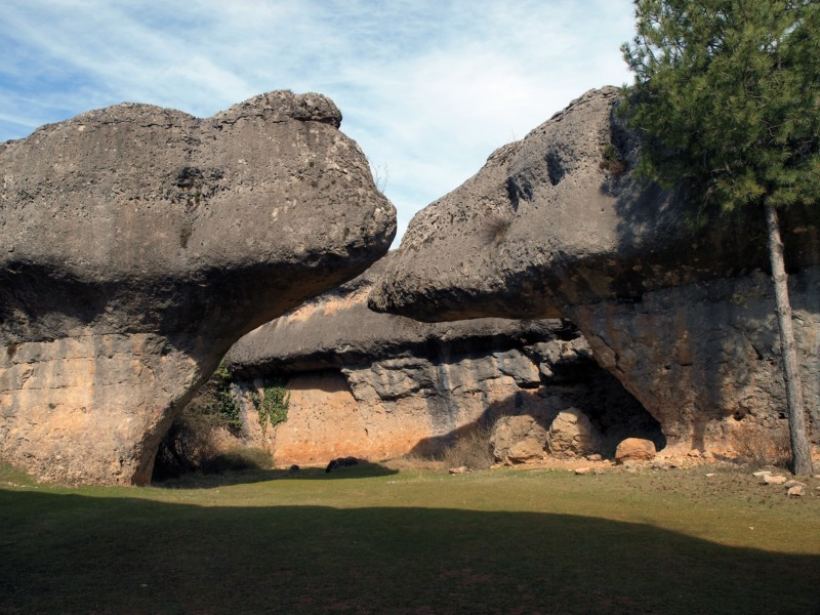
x=801 y=451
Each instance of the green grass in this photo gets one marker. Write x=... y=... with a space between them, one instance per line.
x=370 y=540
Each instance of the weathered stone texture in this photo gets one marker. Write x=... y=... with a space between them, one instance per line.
x=559 y=225
x=572 y=434
x=705 y=358
x=377 y=386
x=518 y=439
x=139 y=243
x=635 y=449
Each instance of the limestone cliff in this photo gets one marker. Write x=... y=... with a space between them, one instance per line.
x=559 y=225
x=379 y=386
x=139 y=243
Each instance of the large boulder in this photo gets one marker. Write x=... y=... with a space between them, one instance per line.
x=572 y=434
x=377 y=386
x=559 y=225
x=635 y=449
x=139 y=243
x=518 y=439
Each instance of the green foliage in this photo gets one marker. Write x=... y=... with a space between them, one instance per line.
x=726 y=98
x=220 y=406
x=272 y=405
x=611 y=160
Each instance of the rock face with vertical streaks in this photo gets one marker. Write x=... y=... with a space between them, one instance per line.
x=378 y=386
x=559 y=225
x=139 y=243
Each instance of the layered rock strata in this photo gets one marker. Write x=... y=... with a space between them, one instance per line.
x=139 y=243
x=379 y=386
x=559 y=225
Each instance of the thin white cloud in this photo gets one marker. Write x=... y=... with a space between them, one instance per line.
x=428 y=88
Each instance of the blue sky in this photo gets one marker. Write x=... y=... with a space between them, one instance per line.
x=428 y=88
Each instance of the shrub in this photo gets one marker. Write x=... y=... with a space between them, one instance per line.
x=272 y=405
x=471 y=448
x=217 y=406
x=611 y=160
x=759 y=446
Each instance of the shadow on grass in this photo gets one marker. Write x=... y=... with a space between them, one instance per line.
x=199 y=480
x=77 y=554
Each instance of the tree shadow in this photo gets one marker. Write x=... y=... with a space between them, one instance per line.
x=78 y=554
x=203 y=480
x=689 y=325
x=610 y=407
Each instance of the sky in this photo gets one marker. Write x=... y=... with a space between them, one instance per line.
x=427 y=88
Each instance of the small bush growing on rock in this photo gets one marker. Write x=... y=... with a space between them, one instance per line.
x=272 y=405
x=213 y=406
x=611 y=160
x=224 y=405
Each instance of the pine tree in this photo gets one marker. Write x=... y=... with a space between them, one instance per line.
x=726 y=99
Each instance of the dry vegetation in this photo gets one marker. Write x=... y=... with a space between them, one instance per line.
x=756 y=446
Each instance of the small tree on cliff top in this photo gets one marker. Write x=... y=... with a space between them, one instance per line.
x=727 y=101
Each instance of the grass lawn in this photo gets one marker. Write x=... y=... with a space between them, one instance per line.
x=371 y=540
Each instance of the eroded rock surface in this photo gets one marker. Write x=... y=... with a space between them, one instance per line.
x=558 y=225
x=378 y=386
x=572 y=434
x=635 y=449
x=139 y=243
x=518 y=439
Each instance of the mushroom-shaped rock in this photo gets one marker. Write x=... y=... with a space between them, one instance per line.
x=139 y=243
x=338 y=330
x=378 y=385
x=559 y=225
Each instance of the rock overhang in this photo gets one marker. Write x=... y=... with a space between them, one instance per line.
x=561 y=218
x=141 y=242
x=559 y=224
x=337 y=329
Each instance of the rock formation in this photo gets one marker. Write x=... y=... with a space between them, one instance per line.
x=139 y=243
x=559 y=225
x=378 y=386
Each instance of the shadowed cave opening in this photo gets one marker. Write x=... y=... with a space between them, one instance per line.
x=408 y=407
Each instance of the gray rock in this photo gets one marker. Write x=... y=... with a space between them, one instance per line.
x=337 y=329
x=685 y=319
x=139 y=243
x=400 y=385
